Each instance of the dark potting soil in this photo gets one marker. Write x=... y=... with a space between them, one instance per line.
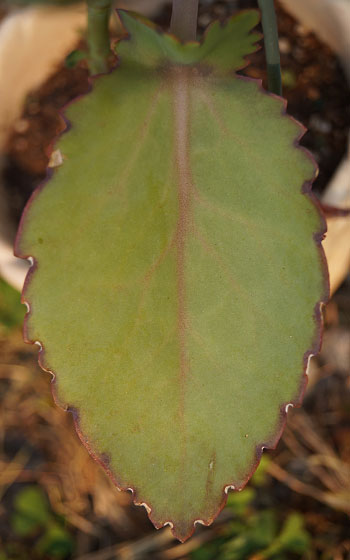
x=313 y=84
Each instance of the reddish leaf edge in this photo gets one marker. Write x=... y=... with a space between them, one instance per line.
x=271 y=443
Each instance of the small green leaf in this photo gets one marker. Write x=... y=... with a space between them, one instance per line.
x=11 y=310
x=292 y=538
x=258 y=534
x=239 y=502
x=23 y=525
x=30 y=511
x=55 y=543
x=223 y=49
x=210 y=551
x=177 y=273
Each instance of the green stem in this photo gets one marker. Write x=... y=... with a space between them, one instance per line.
x=184 y=19
x=272 y=53
x=98 y=35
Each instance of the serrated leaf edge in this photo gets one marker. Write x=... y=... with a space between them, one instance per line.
x=222 y=24
x=314 y=349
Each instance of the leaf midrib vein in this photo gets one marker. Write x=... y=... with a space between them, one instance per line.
x=180 y=91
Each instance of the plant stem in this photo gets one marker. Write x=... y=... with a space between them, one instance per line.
x=98 y=35
x=272 y=53
x=184 y=19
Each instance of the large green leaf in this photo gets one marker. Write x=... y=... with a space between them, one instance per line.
x=177 y=270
